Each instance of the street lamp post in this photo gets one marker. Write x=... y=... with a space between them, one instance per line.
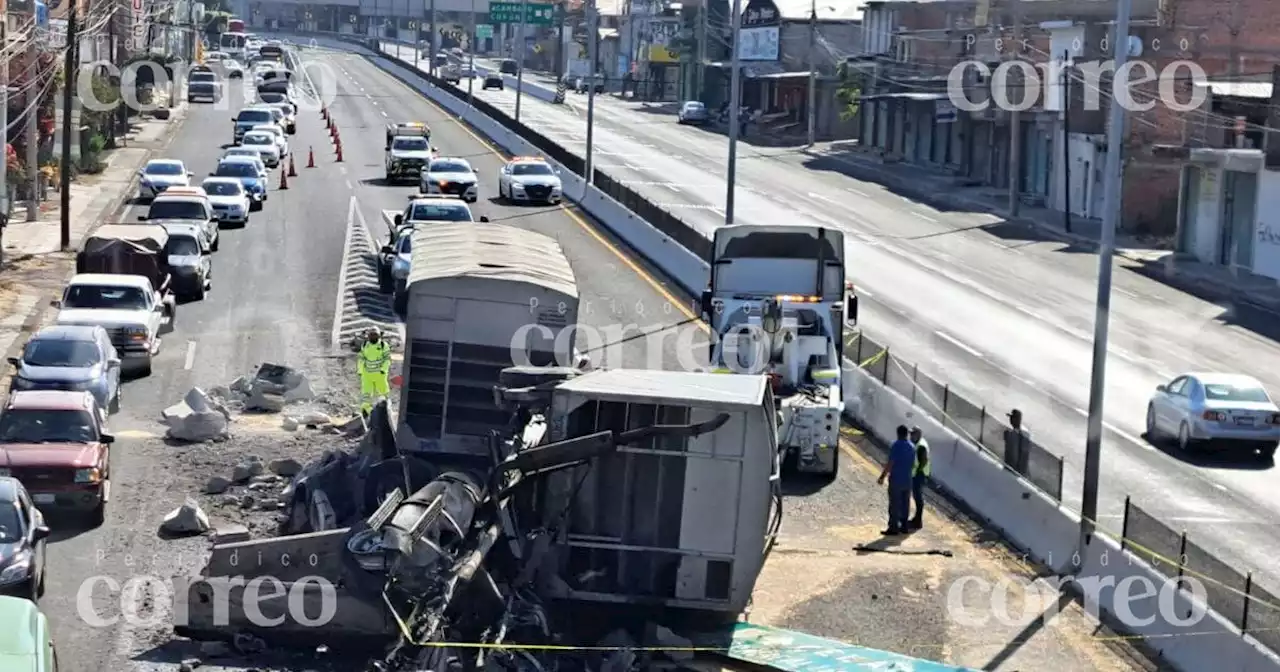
x=524 y=16
x=592 y=38
x=471 y=67
x=735 y=96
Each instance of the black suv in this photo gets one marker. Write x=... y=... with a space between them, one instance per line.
x=509 y=66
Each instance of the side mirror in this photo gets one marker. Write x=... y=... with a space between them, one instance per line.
x=399 y=219
x=142 y=218
x=213 y=173
x=40 y=532
x=1162 y=388
x=484 y=219
x=706 y=304
x=14 y=361
x=113 y=363
x=386 y=249
x=190 y=174
x=56 y=303
x=851 y=309
x=159 y=308
x=106 y=439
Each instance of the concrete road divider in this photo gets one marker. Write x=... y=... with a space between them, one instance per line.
x=1169 y=614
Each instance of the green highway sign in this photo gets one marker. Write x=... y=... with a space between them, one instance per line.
x=484 y=31
x=536 y=13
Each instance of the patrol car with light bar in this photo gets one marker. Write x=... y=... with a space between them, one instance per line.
x=530 y=179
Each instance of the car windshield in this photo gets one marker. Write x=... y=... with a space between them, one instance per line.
x=182 y=246
x=1226 y=392
x=60 y=352
x=223 y=188
x=236 y=169
x=202 y=77
x=440 y=213
x=105 y=296
x=531 y=169
x=272 y=98
x=259 y=139
x=176 y=209
x=410 y=144
x=254 y=116
x=164 y=169
x=10 y=523
x=450 y=167
x=23 y=425
x=241 y=151
x=694 y=107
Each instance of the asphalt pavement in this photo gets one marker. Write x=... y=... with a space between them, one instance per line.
x=999 y=311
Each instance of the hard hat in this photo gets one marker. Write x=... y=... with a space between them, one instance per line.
x=373 y=332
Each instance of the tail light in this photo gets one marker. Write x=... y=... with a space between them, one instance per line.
x=1215 y=416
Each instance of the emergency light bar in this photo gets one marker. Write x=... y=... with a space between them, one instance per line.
x=428 y=197
x=789 y=298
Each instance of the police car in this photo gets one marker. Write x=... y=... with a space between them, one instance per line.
x=408 y=150
x=450 y=176
x=529 y=179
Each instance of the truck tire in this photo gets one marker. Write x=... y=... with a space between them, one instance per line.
x=401 y=303
x=99 y=515
x=386 y=284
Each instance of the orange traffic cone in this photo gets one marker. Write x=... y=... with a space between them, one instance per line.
x=324 y=113
x=328 y=121
x=284 y=180
x=333 y=132
x=339 y=159
x=293 y=171
x=311 y=157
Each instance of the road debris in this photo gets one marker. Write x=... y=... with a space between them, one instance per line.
x=186 y=519
x=197 y=418
x=230 y=533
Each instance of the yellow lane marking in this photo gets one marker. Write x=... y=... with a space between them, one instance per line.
x=578 y=219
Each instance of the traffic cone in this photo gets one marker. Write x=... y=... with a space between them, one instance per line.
x=293 y=171
x=284 y=180
x=339 y=159
x=311 y=157
x=328 y=121
x=333 y=132
x=324 y=113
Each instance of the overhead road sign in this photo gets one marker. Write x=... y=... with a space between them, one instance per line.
x=535 y=13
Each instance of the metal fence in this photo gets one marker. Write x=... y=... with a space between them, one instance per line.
x=1227 y=591
x=1256 y=612
x=964 y=417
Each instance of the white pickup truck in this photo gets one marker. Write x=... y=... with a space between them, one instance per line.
x=127 y=306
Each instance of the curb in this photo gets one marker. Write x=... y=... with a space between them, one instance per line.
x=34 y=318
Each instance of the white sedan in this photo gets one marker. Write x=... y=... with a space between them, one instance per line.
x=248 y=153
x=1215 y=409
x=161 y=174
x=230 y=201
x=282 y=139
x=265 y=144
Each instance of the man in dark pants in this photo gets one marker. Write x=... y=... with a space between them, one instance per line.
x=919 y=476
x=901 y=465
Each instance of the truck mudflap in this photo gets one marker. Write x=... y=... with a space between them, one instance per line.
x=760 y=646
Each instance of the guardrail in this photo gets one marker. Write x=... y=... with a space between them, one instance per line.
x=968 y=441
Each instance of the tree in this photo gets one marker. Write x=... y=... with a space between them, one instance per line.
x=849 y=91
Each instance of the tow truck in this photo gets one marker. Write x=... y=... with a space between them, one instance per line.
x=778 y=304
x=408 y=150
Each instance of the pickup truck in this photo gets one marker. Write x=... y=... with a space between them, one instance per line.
x=131 y=310
x=451 y=73
x=55 y=443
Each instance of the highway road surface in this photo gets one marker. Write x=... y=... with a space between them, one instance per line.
x=998 y=311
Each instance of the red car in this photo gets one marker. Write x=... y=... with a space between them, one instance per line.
x=56 y=444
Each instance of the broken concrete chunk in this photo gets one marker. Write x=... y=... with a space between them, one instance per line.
x=246 y=470
x=288 y=424
x=285 y=466
x=230 y=533
x=262 y=400
x=315 y=418
x=247 y=501
x=300 y=392
x=195 y=419
x=216 y=485
x=214 y=649
x=186 y=519
x=240 y=386
x=189 y=665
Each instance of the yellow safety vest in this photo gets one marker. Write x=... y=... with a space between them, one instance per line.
x=917 y=469
x=375 y=357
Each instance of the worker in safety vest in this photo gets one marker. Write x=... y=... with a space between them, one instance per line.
x=374 y=367
x=919 y=476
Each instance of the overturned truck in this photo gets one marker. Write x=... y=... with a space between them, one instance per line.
x=516 y=500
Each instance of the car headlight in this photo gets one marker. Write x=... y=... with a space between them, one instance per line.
x=19 y=568
x=91 y=475
x=517 y=186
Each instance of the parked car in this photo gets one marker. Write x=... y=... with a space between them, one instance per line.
x=57 y=445
x=35 y=651
x=70 y=357
x=22 y=541
x=1224 y=411
x=694 y=112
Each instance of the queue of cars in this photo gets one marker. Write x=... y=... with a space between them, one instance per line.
x=112 y=316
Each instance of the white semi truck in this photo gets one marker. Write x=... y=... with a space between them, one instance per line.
x=778 y=304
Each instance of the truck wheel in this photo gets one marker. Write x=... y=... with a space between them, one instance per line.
x=401 y=303
x=146 y=369
x=113 y=406
x=217 y=240
x=254 y=206
x=99 y=515
x=386 y=284
x=198 y=295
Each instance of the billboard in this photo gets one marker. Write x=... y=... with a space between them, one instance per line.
x=663 y=33
x=758 y=36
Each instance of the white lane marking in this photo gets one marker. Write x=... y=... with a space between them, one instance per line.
x=958 y=343
x=859 y=192
x=335 y=333
x=383 y=112
x=342 y=169
x=921 y=215
x=820 y=197
x=1118 y=432
x=672 y=187
x=1202 y=519
x=1124 y=292
x=863 y=292
x=191 y=356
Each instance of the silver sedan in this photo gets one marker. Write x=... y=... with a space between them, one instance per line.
x=1223 y=410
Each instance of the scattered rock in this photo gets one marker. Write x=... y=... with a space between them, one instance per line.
x=260 y=485
x=315 y=419
x=265 y=478
x=269 y=504
x=246 y=470
x=289 y=424
x=261 y=400
x=216 y=485
x=286 y=467
x=247 y=501
x=189 y=664
x=675 y=647
x=186 y=519
x=196 y=418
x=354 y=427
x=246 y=643
x=230 y=533
x=240 y=386
x=300 y=392
x=214 y=649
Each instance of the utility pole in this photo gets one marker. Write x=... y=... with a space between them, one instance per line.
x=735 y=97
x=5 y=207
x=435 y=48
x=70 y=72
x=1066 y=141
x=524 y=15
x=33 y=125
x=1015 y=119
x=472 y=58
x=592 y=38
x=813 y=72
x=702 y=46
x=1106 y=254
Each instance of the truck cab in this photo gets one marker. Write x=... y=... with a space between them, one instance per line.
x=407 y=152
x=128 y=306
x=779 y=304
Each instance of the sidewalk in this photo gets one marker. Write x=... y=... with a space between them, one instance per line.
x=34 y=268
x=1147 y=255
